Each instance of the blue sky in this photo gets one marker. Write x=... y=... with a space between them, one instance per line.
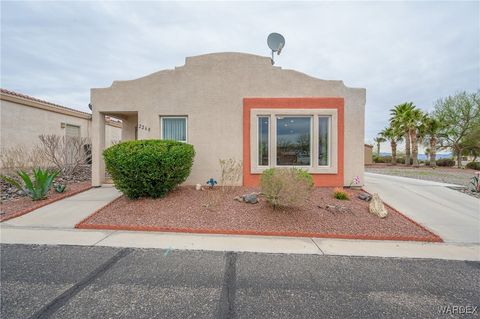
x=398 y=51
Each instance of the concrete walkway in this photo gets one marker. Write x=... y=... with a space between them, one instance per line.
x=452 y=215
x=54 y=225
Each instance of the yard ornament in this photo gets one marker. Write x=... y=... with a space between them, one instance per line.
x=211 y=182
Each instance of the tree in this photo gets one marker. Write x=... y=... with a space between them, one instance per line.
x=459 y=116
x=471 y=143
x=394 y=135
x=407 y=117
x=397 y=120
x=378 y=140
x=430 y=129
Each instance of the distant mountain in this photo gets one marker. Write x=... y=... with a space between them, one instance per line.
x=422 y=157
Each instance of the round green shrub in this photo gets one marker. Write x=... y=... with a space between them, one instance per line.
x=473 y=165
x=446 y=162
x=148 y=168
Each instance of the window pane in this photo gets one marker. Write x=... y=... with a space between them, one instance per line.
x=323 y=138
x=293 y=140
x=175 y=129
x=263 y=144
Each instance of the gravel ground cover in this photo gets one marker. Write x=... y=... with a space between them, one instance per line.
x=214 y=211
x=21 y=205
x=448 y=175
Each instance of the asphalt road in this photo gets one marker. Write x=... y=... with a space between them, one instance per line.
x=99 y=282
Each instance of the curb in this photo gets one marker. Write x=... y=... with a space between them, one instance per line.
x=44 y=203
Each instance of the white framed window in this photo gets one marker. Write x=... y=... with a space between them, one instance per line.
x=304 y=138
x=174 y=128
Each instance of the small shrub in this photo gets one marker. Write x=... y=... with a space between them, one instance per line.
x=475 y=182
x=445 y=162
x=148 y=168
x=38 y=187
x=473 y=165
x=287 y=187
x=401 y=160
x=340 y=194
x=60 y=188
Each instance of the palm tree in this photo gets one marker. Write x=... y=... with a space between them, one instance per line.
x=430 y=129
x=379 y=139
x=397 y=120
x=407 y=117
x=394 y=135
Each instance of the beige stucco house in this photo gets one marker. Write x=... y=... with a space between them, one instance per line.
x=240 y=106
x=23 y=118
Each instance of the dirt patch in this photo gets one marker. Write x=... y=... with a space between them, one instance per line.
x=215 y=211
x=22 y=205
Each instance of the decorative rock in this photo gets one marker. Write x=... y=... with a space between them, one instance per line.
x=376 y=206
x=366 y=197
x=198 y=187
x=238 y=199
x=250 y=198
x=336 y=208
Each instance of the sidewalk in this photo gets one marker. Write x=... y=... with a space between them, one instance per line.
x=54 y=225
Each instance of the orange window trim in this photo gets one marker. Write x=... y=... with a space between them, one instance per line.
x=326 y=180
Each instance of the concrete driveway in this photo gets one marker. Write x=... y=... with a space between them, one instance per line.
x=452 y=215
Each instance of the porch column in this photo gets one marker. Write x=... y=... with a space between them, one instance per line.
x=98 y=145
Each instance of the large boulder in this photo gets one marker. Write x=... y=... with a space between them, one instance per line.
x=376 y=206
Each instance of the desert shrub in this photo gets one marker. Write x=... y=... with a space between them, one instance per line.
x=401 y=160
x=378 y=159
x=13 y=159
x=445 y=162
x=66 y=153
x=148 y=168
x=473 y=165
x=286 y=187
x=340 y=194
x=38 y=187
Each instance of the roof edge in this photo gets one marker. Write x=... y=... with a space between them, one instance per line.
x=27 y=100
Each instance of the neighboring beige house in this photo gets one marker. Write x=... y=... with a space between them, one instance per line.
x=240 y=106
x=368 y=154
x=23 y=118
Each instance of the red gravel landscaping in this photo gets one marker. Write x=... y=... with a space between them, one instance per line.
x=214 y=211
x=19 y=206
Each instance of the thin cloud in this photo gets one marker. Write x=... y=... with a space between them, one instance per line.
x=398 y=51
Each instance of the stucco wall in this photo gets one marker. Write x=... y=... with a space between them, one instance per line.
x=113 y=135
x=210 y=89
x=368 y=154
x=21 y=124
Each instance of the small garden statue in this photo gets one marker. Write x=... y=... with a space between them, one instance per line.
x=212 y=182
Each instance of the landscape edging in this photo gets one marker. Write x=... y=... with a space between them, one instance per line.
x=44 y=203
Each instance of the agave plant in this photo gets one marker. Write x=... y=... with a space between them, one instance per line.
x=38 y=187
x=60 y=188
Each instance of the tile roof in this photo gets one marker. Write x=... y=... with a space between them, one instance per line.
x=27 y=97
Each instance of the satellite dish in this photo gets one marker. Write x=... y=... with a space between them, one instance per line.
x=275 y=42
